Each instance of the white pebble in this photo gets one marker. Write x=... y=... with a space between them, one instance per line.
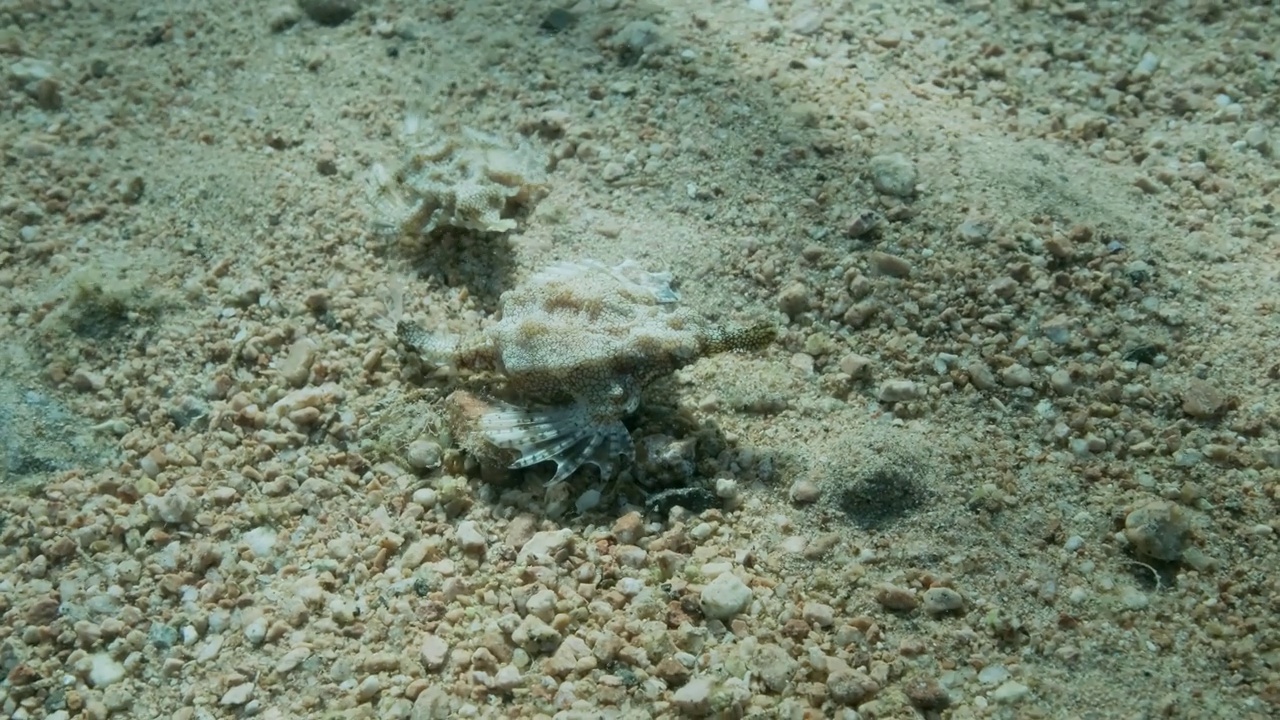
x=261 y=541
x=508 y=678
x=256 y=631
x=104 y=671
x=542 y=605
x=434 y=652
x=1010 y=692
x=237 y=695
x=630 y=586
x=725 y=597
x=726 y=488
x=470 y=539
x=426 y=497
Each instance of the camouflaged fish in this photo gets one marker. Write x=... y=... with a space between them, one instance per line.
x=576 y=344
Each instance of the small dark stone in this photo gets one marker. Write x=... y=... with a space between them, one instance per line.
x=330 y=13
x=157 y=34
x=557 y=20
x=695 y=500
x=1145 y=354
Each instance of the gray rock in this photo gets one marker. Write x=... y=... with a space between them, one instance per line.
x=894 y=175
x=899 y=391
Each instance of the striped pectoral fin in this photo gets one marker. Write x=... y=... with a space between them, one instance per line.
x=564 y=435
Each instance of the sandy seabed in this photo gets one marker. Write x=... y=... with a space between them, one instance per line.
x=1015 y=454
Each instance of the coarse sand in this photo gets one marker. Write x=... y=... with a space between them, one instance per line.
x=1015 y=453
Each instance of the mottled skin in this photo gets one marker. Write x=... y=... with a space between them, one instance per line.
x=580 y=343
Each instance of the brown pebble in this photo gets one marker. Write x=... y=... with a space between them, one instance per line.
x=821 y=545
x=1060 y=247
x=863 y=224
x=629 y=528
x=672 y=671
x=520 y=530
x=885 y=264
x=804 y=492
x=1201 y=400
x=794 y=299
x=896 y=598
x=927 y=694
x=43 y=611
x=796 y=629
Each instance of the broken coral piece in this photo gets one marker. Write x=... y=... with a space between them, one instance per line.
x=576 y=345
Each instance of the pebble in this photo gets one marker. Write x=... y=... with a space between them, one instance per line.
x=1157 y=530
x=883 y=263
x=423 y=455
x=851 y=687
x=629 y=528
x=1010 y=692
x=694 y=698
x=727 y=489
x=775 y=666
x=819 y=614
x=426 y=497
x=974 y=231
x=893 y=174
x=794 y=300
x=105 y=670
x=896 y=598
x=993 y=674
x=520 y=530
x=899 y=391
x=261 y=541
x=1201 y=400
x=544 y=544
x=1060 y=381
x=724 y=597
x=857 y=367
x=508 y=678
x=942 y=600
x=174 y=507
x=292 y=659
x=1017 y=375
x=295 y=367
x=805 y=492
x=631 y=556
x=613 y=172
x=542 y=605
x=282 y=17
x=807 y=22
x=238 y=695
x=368 y=689
x=981 y=376
x=470 y=538
x=434 y=652
x=256 y=631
